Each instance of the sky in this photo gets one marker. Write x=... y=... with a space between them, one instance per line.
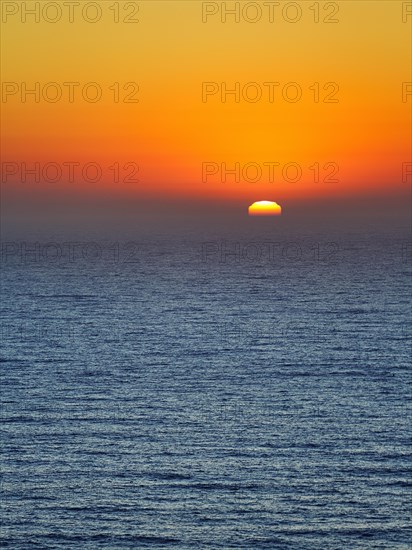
x=180 y=102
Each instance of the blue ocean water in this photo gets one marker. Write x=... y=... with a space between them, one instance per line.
x=207 y=391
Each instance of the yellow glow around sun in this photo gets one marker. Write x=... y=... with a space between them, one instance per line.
x=265 y=208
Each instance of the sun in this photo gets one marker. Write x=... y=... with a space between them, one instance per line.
x=265 y=208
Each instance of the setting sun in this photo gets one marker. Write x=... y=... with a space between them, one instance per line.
x=265 y=208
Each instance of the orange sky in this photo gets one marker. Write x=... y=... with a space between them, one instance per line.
x=178 y=136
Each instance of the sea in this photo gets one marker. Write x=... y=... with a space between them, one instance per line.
x=207 y=389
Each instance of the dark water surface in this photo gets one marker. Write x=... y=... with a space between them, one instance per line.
x=171 y=395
